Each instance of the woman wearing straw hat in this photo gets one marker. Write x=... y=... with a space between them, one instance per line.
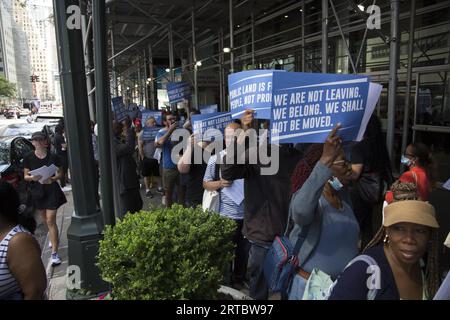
x=391 y=267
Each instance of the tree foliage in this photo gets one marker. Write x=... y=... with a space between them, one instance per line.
x=7 y=89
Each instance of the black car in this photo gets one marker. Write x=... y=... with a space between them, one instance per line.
x=12 y=152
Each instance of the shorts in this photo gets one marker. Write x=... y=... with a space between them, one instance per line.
x=53 y=199
x=150 y=167
x=171 y=178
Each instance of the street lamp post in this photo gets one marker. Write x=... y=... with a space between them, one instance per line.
x=86 y=226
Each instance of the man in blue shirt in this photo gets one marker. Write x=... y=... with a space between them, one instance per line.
x=171 y=176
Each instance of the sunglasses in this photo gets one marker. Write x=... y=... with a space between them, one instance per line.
x=340 y=162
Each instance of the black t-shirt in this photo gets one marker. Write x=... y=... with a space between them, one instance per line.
x=363 y=154
x=58 y=141
x=194 y=180
x=32 y=162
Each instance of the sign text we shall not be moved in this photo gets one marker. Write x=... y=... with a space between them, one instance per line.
x=313 y=109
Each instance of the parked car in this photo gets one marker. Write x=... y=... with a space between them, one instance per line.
x=9 y=113
x=27 y=129
x=12 y=152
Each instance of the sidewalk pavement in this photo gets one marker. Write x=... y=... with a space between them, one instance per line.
x=56 y=276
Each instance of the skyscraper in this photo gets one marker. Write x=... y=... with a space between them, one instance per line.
x=7 y=55
x=36 y=20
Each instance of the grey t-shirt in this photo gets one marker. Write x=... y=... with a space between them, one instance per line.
x=149 y=147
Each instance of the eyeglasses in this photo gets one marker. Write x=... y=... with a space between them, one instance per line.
x=342 y=163
x=409 y=155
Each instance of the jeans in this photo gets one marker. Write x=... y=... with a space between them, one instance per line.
x=258 y=284
x=241 y=253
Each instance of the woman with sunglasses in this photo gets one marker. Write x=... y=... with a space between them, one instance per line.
x=46 y=196
x=321 y=210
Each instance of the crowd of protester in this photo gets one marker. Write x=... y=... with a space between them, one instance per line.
x=326 y=193
x=330 y=193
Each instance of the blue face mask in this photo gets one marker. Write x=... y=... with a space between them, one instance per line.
x=336 y=184
x=406 y=161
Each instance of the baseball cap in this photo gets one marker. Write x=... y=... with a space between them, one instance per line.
x=413 y=211
x=38 y=136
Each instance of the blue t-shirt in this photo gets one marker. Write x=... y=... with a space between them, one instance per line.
x=167 y=162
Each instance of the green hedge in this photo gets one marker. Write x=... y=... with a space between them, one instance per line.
x=167 y=254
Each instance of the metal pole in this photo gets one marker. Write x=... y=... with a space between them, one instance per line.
x=194 y=57
x=324 y=36
x=153 y=96
x=253 y=40
x=88 y=65
x=343 y=37
x=86 y=225
x=171 y=62
x=141 y=93
x=114 y=73
x=171 y=58
x=394 y=57
x=231 y=37
x=104 y=118
x=221 y=71
x=408 y=77
x=145 y=80
x=303 y=37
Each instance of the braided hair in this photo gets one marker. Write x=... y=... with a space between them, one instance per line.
x=305 y=166
x=408 y=191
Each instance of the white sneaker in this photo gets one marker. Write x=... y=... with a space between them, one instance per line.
x=56 y=260
x=67 y=189
x=163 y=200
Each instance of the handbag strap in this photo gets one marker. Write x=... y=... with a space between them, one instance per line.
x=217 y=175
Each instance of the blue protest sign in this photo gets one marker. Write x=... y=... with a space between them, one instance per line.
x=209 y=109
x=178 y=91
x=307 y=106
x=149 y=133
x=119 y=108
x=251 y=90
x=155 y=114
x=208 y=126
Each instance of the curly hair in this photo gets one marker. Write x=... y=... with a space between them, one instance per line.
x=305 y=166
x=408 y=191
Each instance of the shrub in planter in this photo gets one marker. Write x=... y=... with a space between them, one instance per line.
x=173 y=254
